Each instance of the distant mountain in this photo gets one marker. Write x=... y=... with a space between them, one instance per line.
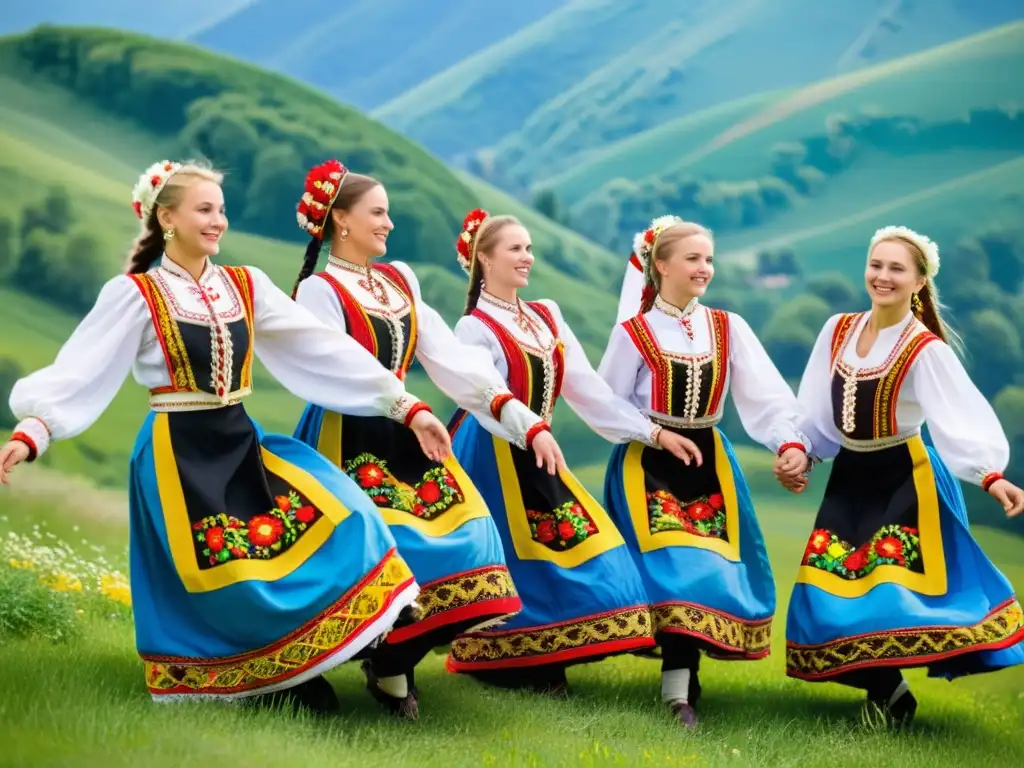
x=598 y=71
x=367 y=52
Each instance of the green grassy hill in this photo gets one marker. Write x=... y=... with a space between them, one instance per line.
x=594 y=71
x=83 y=701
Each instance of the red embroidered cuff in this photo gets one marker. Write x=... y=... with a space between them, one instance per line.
x=498 y=403
x=989 y=479
x=420 y=406
x=21 y=437
x=786 y=446
x=536 y=429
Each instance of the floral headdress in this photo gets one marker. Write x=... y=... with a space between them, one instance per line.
x=465 y=246
x=644 y=242
x=147 y=188
x=928 y=248
x=322 y=185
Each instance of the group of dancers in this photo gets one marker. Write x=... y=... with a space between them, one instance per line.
x=259 y=561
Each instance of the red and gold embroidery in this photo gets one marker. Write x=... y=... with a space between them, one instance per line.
x=179 y=368
x=222 y=538
x=562 y=528
x=628 y=629
x=891 y=545
x=311 y=645
x=436 y=493
x=919 y=646
x=704 y=516
x=663 y=367
x=748 y=639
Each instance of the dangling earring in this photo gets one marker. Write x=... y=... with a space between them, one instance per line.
x=168 y=234
x=344 y=234
x=915 y=304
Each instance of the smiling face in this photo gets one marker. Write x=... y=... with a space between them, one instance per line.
x=195 y=211
x=365 y=219
x=685 y=262
x=505 y=253
x=892 y=275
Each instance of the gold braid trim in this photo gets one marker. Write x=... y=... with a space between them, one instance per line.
x=169 y=335
x=749 y=638
x=626 y=624
x=466 y=589
x=911 y=647
x=311 y=644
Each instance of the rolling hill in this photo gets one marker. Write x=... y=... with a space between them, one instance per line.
x=938 y=139
x=597 y=71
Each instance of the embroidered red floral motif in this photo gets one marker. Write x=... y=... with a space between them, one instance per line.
x=704 y=516
x=891 y=545
x=563 y=528
x=429 y=498
x=221 y=538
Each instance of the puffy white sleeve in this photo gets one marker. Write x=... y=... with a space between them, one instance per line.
x=766 y=405
x=815 y=396
x=472 y=333
x=631 y=293
x=621 y=364
x=610 y=415
x=320 y=364
x=464 y=372
x=964 y=428
x=66 y=397
x=317 y=295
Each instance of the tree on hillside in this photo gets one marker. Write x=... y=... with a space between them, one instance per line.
x=835 y=290
x=788 y=345
x=546 y=203
x=39 y=262
x=994 y=346
x=10 y=372
x=82 y=272
x=8 y=252
x=277 y=174
x=52 y=214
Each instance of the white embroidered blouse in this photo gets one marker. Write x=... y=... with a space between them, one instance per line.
x=311 y=360
x=963 y=426
x=586 y=393
x=766 y=405
x=463 y=373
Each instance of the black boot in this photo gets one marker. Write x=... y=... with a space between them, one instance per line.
x=407 y=707
x=894 y=710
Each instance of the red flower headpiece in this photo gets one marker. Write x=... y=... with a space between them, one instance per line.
x=465 y=246
x=322 y=185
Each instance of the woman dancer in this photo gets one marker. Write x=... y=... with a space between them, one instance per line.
x=256 y=566
x=437 y=516
x=692 y=530
x=582 y=598
x=891 y=576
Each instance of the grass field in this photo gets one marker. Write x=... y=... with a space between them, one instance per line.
x=84 y=702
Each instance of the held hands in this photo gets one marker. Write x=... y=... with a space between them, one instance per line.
x=433 y=437
x=790 y=470
x=683 y=448
x=11 y=455
x=1006 y=493
x=548 y=453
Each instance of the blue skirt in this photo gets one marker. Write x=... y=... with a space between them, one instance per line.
x=255 y=564
x=582 y=597
x=435 y=513
x=697 y=544
x=891 y=576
